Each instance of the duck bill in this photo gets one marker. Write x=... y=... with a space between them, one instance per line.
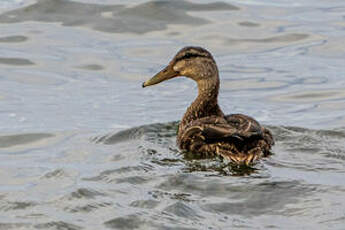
x=165 y=74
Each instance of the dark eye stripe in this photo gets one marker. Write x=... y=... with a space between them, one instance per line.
x=189 y=55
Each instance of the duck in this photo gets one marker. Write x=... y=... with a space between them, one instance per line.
x=204 y=129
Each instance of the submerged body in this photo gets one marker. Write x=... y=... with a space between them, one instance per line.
x=204 y=129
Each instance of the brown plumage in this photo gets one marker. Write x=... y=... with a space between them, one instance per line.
x=204 y=129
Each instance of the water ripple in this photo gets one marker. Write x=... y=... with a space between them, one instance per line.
x=15 y=61
x=13 y=39
x=71 y=79
x=149 y=16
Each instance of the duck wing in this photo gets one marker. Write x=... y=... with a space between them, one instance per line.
x=232 y=126
x=250 y=127
x=236 y=137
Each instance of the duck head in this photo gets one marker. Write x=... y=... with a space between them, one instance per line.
x=192 y=62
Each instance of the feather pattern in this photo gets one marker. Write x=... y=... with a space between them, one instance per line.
x=204 y=129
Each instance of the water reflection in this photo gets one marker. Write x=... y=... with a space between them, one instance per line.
x=312 y=96
x=94 y=67
x=142 y=18
x=21 y=139
x=70 y=80
x=13 y=39
x=15 y=61
x=281 y=38
x=266 y=201
x=157 y=140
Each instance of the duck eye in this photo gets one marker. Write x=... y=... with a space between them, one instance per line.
x=190 y=55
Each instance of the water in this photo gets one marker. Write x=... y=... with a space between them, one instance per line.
x=83 y=146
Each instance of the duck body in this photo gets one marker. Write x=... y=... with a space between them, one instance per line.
x=236 y=137
x=204 y=129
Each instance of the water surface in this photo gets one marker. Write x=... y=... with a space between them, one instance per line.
x=83 y=146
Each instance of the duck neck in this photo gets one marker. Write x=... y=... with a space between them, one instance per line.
x=206 y=103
